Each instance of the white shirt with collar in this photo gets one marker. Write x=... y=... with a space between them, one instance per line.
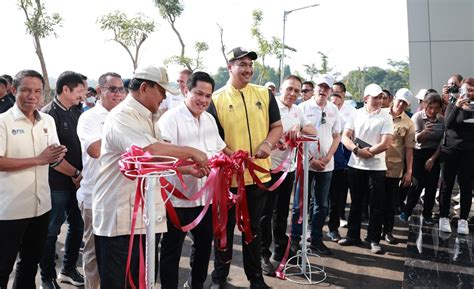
x=25 y=193
x=289 y=118
x=325 y=130
x=180 y=127
x=129 y=123
x=89 y=130
x=172 y=101
x=346 y=112
x=370 y=127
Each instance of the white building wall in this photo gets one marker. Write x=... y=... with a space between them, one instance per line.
x=441 y=41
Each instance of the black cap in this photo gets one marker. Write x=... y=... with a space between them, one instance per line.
x=240 y=52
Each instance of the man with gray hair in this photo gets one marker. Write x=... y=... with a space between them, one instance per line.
x=89 y=130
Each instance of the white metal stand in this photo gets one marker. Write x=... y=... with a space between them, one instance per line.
x=303 y=272
x=152 y=185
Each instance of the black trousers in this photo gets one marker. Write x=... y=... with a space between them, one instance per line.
x=274 y=220
x=172 y=245
x=392 y=187
x=112 y=255
x=362 y=182
x=25 y=238
x=337 y=197
x=251 y=252
x=460 y=162
x=423 y=179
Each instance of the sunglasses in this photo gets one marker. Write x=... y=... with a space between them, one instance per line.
x=115 y=89
x=323 y=117
x=306 y=90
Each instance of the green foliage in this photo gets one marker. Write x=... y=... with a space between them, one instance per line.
x=265 y=47
x=169 y=9
x=130 y=33
x=38 y=22
x=391 y=79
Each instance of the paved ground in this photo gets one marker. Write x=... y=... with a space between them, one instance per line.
x=348 y=267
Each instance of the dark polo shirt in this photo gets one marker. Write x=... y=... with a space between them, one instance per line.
x=6 y=103
x=66 y=124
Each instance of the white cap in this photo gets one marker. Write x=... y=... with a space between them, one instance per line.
x=372 y=90
x=268 y=84
x=157 y=74
x=404 y=94
x=324 y=79
x=421 y=94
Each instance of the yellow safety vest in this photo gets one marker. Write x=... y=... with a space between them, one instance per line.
x=243 y=115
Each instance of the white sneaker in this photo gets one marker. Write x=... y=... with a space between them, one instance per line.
x=457 y=198
x=463 y=227
x=444 y=225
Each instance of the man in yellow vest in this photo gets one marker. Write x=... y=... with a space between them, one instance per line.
x=248 y=118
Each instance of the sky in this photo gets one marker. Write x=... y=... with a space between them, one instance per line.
x=352 y=33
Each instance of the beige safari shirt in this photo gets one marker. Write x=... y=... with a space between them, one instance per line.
x=113 y=197
x=403 y=137
x=25 y=193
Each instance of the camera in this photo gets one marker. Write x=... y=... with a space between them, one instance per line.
x=453 y=89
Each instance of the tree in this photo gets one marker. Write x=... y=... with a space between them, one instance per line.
x=170 y=10
x=265 y=47
x=40 y=25
x=392 y=79
x=223 y=47
x=130 y=33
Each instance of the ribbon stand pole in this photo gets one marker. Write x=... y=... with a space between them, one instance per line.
x=150 y=185
x=303 y=272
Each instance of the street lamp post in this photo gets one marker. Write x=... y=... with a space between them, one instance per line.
x=285 y=14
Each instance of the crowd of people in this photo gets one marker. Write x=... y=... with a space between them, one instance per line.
x=60 y=163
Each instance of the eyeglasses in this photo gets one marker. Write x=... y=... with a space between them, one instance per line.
x=323 y=117
x=306 y=90
x=115 y=89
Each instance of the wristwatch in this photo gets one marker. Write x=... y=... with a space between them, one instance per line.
x=76 y=173
x=355 y=150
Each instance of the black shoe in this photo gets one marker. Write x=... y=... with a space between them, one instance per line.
x=366 y=238
x=259 y=283
x=389 y=238
x=267 y=267
x=319 y=247
x=347 y=241
x=216 y=284
x=295 y=246
x=50 y=284
x=72 y=277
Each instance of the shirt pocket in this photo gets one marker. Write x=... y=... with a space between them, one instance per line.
x=211 y=145
x=401 y=131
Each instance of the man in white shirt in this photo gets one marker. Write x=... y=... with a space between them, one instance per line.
x=28 y=144
x=368 y=135
x=173 y=101
x=275 y=213
x=189 y=124
x=129 y=123
x=89 y=130
x=339 y=183
x=324 y=116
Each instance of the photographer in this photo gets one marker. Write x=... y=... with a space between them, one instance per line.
x=458 y=156
x=451 y=91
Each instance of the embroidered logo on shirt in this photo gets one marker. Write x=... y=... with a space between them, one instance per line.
x=16 y=131
x=45 y=129
x=231 y=107
x=259 y=105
